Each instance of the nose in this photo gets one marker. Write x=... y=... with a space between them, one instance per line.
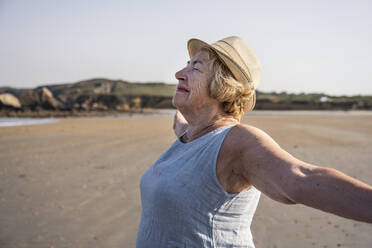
x=180 y=75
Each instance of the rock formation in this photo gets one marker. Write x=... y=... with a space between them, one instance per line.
x=47 y=99
x=9 y=100
x=104 y=95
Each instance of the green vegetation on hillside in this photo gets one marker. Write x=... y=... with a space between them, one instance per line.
x=104 y=95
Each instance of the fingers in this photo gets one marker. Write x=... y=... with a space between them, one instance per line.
x=179 y=124
x=179 y=118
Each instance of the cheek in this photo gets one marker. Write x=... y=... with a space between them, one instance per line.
x=200 y=88
x=197 y=89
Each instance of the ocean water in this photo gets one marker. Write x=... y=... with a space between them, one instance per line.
x=8 y=122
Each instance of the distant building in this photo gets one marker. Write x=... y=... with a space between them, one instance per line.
x=325 y=99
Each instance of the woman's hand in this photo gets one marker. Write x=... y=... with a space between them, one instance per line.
x=179 y=124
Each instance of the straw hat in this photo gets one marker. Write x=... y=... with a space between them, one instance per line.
x=235 y=53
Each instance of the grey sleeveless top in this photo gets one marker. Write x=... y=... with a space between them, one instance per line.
x=184 y=205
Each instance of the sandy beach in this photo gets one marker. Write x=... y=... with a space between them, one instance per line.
x=75 y=183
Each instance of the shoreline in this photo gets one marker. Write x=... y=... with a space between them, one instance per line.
x=165 y=113
x=15 y=121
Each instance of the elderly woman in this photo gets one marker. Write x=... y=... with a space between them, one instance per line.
x=203 y=191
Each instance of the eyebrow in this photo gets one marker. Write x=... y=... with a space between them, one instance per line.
x=195 y=62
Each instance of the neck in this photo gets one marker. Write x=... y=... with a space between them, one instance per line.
x=205 y=121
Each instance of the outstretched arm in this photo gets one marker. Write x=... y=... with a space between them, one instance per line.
x=284 y=178
x=179 y=124
x=332 y=191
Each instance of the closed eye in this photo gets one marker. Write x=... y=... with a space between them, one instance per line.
x=194 y=63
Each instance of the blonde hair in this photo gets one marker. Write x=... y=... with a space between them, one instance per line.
x=233 y=95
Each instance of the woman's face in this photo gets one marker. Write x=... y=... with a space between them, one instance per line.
x=193 y=83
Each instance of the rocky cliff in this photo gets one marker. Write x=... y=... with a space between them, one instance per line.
x=86 y=96
x=102 y=96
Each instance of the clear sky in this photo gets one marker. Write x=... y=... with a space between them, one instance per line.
x=304 y=46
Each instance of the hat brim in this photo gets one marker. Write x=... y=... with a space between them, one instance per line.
x=195 y=45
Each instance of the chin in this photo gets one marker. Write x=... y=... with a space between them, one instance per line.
x=177 y=101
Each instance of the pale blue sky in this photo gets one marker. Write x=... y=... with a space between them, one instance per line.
x=304 y=46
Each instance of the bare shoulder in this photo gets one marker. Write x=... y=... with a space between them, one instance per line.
x=257 y=158
x=243 y=137
x=230 y=172
x=240 y=153
x=254 y=146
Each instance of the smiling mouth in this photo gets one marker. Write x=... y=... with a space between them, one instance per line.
x=182 y=89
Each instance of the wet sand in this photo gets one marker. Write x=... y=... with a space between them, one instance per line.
x=75 y=183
